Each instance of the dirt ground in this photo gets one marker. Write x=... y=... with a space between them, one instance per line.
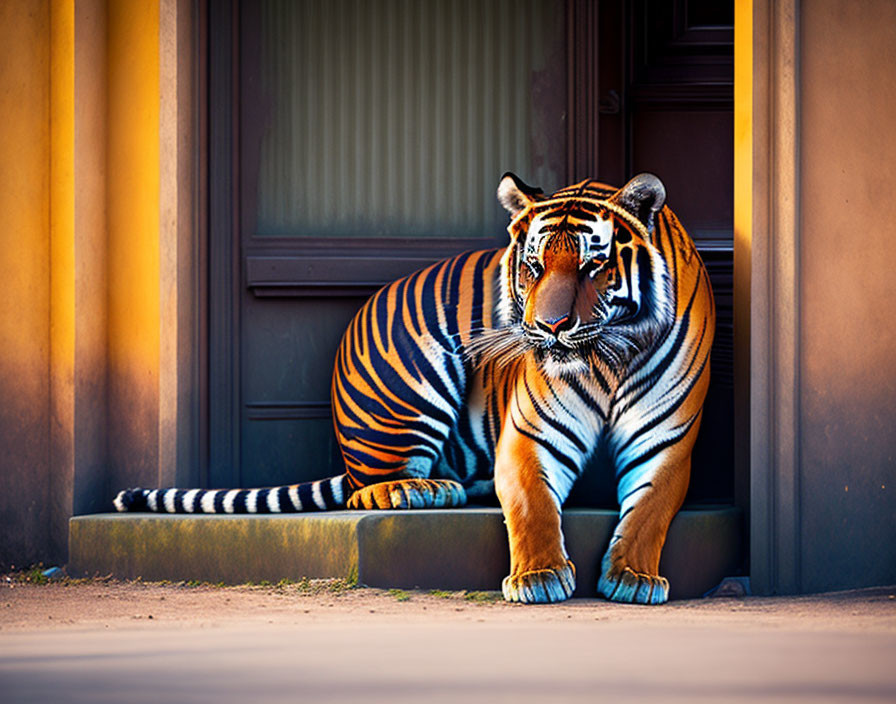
x=111 y=641
x=117 y=605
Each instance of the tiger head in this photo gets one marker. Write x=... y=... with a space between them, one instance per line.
x=582 y=280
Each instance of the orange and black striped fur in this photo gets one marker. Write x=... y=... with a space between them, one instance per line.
x=503 y=371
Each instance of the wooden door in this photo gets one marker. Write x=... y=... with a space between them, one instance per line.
x=351 y=142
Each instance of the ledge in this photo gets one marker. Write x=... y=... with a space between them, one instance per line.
x=433 y=549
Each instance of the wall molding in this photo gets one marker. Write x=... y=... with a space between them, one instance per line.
x=289 y=410
x=774 y=309
x=179 y=300
x=344 y=267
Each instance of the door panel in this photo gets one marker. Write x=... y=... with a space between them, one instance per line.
x=285 y=445
x=692 y=149
x=288 y=348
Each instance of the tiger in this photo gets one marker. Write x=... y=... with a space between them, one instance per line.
x=502 y=372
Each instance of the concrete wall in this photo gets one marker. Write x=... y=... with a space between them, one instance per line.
x=96 y=375
x=847 y=290
x=25 y=275
x=132 y=221
x=822 y=155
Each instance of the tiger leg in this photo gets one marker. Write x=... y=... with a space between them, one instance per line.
x=540 y=570
x=390 y=441
x=648 y=503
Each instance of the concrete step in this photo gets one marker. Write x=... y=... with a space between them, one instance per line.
x=428 y=549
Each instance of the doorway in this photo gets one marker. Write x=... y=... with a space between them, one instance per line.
x=352 y=142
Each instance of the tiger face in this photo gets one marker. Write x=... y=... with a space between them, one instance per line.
x=582 y=281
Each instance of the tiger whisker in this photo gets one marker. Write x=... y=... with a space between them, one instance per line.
x=499 y=346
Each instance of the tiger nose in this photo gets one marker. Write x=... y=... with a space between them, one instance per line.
x=554 y=325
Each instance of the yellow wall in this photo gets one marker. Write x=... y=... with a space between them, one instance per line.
x=743 y=228
x=132 y=173
x=62 y=263
x=79 y=262
x=24 y=274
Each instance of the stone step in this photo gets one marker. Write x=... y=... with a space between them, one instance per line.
x=428 y=549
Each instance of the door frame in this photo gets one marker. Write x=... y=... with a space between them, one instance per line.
x=765 y=339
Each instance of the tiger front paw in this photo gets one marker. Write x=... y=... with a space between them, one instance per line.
x=540 y=586
x=623 y=584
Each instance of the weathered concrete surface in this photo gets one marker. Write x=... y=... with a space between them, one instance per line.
x=444 y=549
x=443 y=662
x=230 y=549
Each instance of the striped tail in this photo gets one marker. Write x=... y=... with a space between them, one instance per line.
x=322 y=495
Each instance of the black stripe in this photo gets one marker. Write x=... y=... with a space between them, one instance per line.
x=647 y=382
x=558 y=456
x=644 y=264
x=455 y=271
x=219 y=501
x=553 y=422
x=636 y=489
x=587 y=398
x=546 y=479
x=239 y=502
x=380 y=441
x=307 y=498
x=261 y=503
x=464 y=429
x=284 y=501
x=179 y=500
x=362 y=464
x=478 y=292
x=389 y=376
x=654 y=422
x=657 y=449
x=326 y=491
x=406 y=298
x=558 y=400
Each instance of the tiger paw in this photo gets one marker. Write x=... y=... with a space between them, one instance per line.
x=409 y=493
x=631 y=587
x=540 y=586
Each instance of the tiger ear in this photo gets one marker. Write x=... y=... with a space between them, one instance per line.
x=515 y=195
x=643 y=197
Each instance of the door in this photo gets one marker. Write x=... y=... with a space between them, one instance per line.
x=365 y=140
x=354 y=141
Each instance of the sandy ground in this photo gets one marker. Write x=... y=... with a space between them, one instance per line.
x=108 y=641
